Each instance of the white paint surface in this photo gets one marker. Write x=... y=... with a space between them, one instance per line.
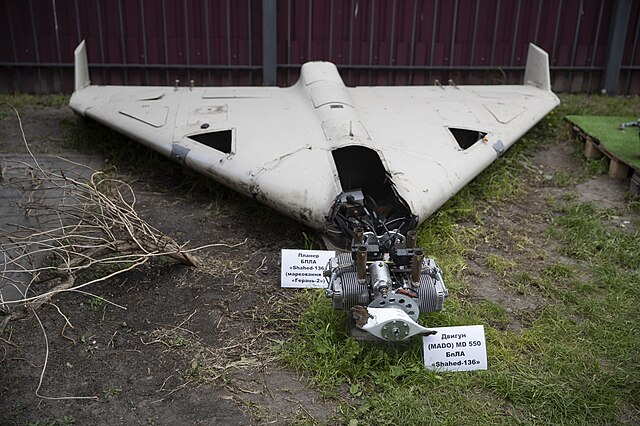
x=283 y=137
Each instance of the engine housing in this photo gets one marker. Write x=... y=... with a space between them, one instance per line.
x=370 y=279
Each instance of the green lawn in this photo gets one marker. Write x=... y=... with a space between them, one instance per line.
x=573 y=359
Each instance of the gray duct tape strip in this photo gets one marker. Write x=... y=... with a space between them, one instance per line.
x=499 y=147
x=179 y=153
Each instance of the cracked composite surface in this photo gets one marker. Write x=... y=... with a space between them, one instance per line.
x=190 y=347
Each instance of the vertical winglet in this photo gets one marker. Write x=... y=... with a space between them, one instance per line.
x=81 y=67
x=537 y=69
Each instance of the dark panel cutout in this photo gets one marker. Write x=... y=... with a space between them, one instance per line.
x=466 y=138
x=360 y=167
x=220 y=140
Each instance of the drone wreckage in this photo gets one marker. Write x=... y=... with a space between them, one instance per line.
x=363 y=165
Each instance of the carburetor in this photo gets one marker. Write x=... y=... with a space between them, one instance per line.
x=385 y=282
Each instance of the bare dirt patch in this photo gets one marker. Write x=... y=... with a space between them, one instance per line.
x=192 y=347
x=514 y=233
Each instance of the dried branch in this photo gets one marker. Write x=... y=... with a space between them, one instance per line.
x=80 y=227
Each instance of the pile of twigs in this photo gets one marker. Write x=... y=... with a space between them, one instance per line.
x=83 y=228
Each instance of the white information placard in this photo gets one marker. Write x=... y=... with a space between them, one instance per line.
x=460 y=348
x=303 y=268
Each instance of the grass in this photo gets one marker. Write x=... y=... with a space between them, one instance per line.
x=574 y=361
x=20 y=101
x=64 y=421
x=500 y=264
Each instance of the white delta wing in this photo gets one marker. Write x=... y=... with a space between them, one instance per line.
x=333 y=157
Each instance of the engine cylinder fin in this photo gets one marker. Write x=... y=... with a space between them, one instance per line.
x=354 y=293
x=344 y=259
x=431 y=293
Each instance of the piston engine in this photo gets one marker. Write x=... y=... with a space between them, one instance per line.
x=385 y=287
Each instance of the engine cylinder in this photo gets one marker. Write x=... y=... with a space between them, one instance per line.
x=380 y=277
x=347 y=291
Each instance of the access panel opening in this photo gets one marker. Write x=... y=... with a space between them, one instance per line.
x=369 y=198
x=360 y=168
x=467 y=138
x=220 y=140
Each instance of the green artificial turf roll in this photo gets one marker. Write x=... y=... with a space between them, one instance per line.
x=622 y=144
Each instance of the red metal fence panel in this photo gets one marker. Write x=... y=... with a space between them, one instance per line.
x=374 y=42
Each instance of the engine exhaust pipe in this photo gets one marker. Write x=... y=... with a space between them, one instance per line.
x=416 y=266
x=358 y=234
x=361 y=265
x=412 y=238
